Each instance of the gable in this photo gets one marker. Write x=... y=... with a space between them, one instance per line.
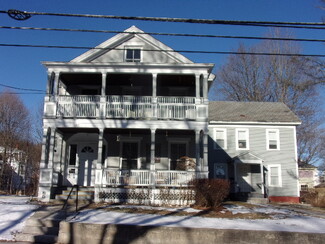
x=114 y=50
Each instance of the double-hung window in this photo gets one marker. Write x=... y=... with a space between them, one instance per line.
x=272 y=139
x=274 y=172
x=242 y=139
x=220 y=136
x=133 y=54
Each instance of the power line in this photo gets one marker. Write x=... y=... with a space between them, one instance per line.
x=308 y=25
x=19 y=88
x=163 y=34
x=179 y=51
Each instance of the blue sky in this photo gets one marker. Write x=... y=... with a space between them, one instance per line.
x=21 y=67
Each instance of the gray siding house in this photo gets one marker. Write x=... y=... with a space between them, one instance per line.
x=253 y=144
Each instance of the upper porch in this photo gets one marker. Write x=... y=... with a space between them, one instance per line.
x=128 y=94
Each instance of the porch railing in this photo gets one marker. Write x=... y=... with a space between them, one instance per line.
x=78 y=106
x=128 y=107
x=172 y=178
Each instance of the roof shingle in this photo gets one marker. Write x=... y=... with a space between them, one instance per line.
x=273 y=112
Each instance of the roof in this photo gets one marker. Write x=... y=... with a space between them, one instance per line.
x=265 y=112
x=303 y=165
x=132 y=33
x=247 y=157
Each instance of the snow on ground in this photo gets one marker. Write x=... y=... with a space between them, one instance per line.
x=14 y=211
x=283 y=220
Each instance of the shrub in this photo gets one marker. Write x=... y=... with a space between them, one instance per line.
x=313 y=197
x=210 y=192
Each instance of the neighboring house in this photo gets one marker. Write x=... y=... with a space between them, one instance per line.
x=15 y=167
x=129 y=121
x=308 y=176
x=253 y=144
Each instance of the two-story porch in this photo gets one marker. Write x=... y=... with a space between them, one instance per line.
x=128 y=113
x=103 y=132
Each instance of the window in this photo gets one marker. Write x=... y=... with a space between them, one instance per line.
x=87 y=149
x=275 y=175
x=129 y=155
x=220 y=139
x=242 y=139
x=177 y=150
x=272 y=140
x=303 y=187
x=73 y=154
x=133 y=55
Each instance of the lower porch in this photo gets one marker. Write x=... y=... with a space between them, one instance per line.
x=121 y=159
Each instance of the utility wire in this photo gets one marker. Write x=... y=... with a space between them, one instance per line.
x=19 y=88
x=308 y=25
x=179 y=51
x=163 y=34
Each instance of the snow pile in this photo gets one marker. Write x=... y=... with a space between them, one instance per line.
x=14 y=211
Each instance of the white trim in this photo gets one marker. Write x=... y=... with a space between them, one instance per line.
x=278 y=166
x=296 y=159
x=252 y=123
x=133 y=47
x=224 y=138
x=246 y=138
x=268 y=139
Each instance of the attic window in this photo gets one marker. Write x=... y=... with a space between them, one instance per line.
x=133 y=55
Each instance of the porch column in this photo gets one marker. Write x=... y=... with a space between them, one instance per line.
x=154 y=95
x=46 y=165
x=51 y=149
x=197 y=150
x=103 y=90
x=205 y=167
x=197 y=87
x=102 y=108
x=152 y=157
x=98 y=179
x=205 y=88
x=56 y=84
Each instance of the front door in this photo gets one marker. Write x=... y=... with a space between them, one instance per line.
x=244 y=177
x=87 y=165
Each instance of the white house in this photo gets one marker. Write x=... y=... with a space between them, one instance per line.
x=120 y=119
x=123 y=114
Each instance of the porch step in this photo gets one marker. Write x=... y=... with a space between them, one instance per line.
x=257 y=200
x=84 y=193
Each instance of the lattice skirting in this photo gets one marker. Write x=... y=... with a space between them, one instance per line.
x=146 y=196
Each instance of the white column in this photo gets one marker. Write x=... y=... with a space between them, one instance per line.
x=100 y=149
x=197 y=150
x=205 y=87
x=197 y=87
x=103 y=90
x=102 y=108
x=205 y=167
x=56 y=84
x=51 y=149
x=46 y=166
x=152 y=157
x=154 y=95
x=154 y=85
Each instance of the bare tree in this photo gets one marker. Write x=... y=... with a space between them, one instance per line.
x=14 y=126
x=293 y=80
